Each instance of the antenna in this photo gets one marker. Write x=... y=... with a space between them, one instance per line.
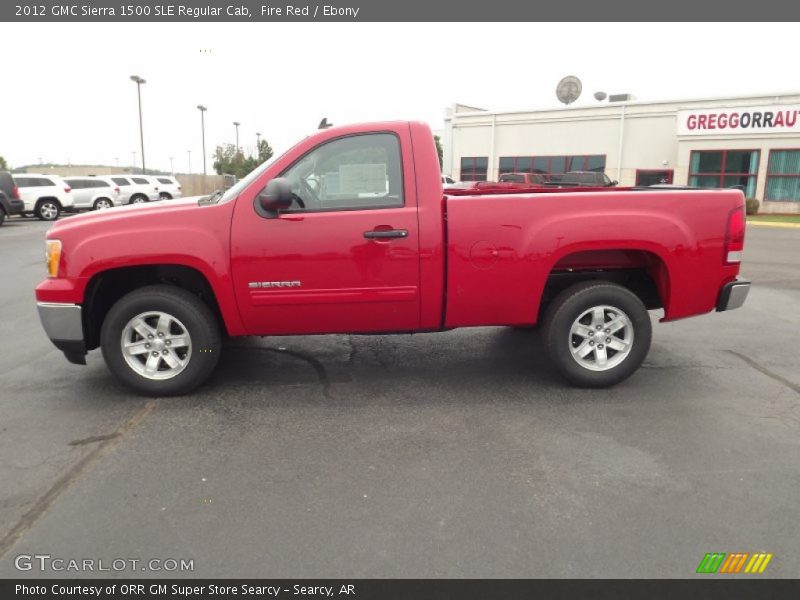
x=569 y=89
x=324 y=124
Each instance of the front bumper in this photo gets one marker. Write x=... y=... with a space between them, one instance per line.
x=733 y=294
x=63 y=325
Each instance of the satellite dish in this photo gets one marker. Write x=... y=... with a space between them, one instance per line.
x=600 y=96
x=569 y=89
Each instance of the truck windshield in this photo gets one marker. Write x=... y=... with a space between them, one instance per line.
x=237 y=187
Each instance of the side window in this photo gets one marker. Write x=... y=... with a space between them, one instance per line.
x=164 y=181
x=139 y=180
x=120 y=180
x=45 y=183
x=75 y=184
x=357 y=172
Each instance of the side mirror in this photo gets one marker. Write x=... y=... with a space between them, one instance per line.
x=277 y=196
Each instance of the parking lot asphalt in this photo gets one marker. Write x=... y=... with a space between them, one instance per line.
x=434 y=455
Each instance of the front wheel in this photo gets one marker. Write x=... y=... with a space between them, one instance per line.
x=138 y=199
x=48 y=210
x=161 y=340
x=597 y=334
x=102 y=204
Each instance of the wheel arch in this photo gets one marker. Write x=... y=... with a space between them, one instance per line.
x=105 y=287
x=642 y=270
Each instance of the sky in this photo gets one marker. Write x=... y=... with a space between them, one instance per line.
x=72 y=100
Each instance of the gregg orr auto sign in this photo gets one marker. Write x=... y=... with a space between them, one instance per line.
x=741 y=120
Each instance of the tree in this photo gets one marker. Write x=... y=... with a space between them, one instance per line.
x=264 y=151
x=3 y=164
x=438 y=141
x=229 y=159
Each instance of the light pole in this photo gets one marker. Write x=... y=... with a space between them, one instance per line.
x=133 y=169
x=236 y=124
x=258 y=144
x=202 y=110
x=116 y=160
x=172 y=165
x=189 y=152
x=139 y=81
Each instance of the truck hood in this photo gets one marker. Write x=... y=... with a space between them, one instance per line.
x=163 y=211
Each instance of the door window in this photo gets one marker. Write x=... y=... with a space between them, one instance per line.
x=352 y=173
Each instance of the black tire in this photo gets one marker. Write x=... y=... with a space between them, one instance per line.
x=2 y=216
x=199 y=321
x=164 y=196
x=569 y=306
x=138 y=199
x=47 y=209
x=102 y=203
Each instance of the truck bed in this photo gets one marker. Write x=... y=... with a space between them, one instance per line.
x=505 y=246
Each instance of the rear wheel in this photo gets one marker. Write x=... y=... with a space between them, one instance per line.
x=48 y=210
x=597 y=334
x=2 y=216
x=138 y=199
x=161 y=340
x=102 y=203
x=164 y=196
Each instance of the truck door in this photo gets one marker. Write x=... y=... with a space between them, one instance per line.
x=345 y=256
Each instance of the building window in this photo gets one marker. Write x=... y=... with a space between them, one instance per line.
x=552 y=167
x=473 y=168
x=783 y=176
x=724 y=169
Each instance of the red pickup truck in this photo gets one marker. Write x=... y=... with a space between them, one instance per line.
x=350 y=232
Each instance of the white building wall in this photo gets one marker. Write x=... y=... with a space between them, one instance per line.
x=648 y=132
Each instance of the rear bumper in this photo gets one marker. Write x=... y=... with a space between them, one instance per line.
x=733 y=294
x=12 y=206
x=63 y=325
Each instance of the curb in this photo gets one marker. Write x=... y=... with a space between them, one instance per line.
x=771 y=224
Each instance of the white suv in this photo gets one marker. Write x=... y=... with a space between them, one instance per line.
x=45 y=196
x=135 y=189
x=168 y=187
x=93 y=193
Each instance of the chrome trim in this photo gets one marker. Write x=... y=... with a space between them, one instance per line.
x=61 y=322
x=733 y=295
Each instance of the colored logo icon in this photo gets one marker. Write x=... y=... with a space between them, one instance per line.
x=734 y=563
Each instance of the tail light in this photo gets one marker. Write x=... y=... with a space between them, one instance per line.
x=734 y=236
x=15 y=193
x=116 y=189
x=179 y=188
x=67 y=189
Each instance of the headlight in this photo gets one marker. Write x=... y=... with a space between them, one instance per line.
x=52 y=257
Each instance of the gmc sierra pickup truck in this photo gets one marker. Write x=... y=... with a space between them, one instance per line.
x=350 y=232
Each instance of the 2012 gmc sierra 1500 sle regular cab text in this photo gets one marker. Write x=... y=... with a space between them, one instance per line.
x=350 y=232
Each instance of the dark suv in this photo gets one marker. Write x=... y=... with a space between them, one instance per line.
x=10 y=203
x=584 y=179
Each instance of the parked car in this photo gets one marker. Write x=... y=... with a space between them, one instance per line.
x=135 y=189
x=93 y=193
x=447 y=180
x=526 y=179
x=45 y=196
x=342 y=235
x=583 y=179
x=168 y=187
x=10 y=202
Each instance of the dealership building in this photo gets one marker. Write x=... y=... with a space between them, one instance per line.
x=747 y=141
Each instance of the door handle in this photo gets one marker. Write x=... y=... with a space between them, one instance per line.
x=386 y=233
